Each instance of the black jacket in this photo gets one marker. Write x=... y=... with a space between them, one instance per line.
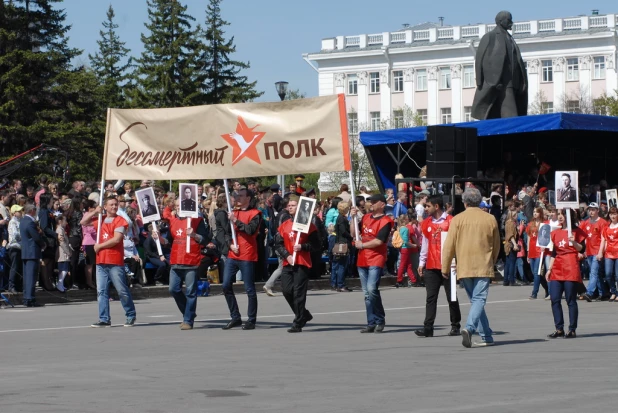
x=342 y=229
x=223 y=231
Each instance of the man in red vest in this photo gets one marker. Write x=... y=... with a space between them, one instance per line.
x=242 y=257
x=430 y=266
x=375 y=229
x=184 y=265
x=295 y=274
x=110 y=262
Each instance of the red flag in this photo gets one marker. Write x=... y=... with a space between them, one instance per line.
x=544 y=168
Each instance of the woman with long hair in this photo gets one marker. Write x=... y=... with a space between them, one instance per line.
x=330 y=222
x=563 y=273
x=534 y=252
x=510 y=247
x=89 y=238
x=342 y=236
x=74 y=215
x=47 y=223
x=609 y=251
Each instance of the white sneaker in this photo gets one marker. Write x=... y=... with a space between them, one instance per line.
x=269 y=291
x=484 y=344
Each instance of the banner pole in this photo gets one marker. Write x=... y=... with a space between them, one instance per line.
x=568 y=220
x=108 y=126
x=295 y=243
x=353 y=194
x=101 y=214
x=188 y=237
x=229 y=210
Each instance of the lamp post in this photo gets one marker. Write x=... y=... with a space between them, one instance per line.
x=282 y=90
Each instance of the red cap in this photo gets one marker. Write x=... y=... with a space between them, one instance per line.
x=542 y=190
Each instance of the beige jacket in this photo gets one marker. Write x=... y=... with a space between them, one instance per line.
x=473 y=238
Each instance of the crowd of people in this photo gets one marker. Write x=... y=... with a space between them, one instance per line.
x=54 y=237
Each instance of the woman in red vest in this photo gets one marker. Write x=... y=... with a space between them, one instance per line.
x=563 y=273
x=609 y=251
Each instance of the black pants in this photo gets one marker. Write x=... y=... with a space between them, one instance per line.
x=16 y=266
x=294 y=282
x=76 y=275
x=433 y=281
x=317 y=268
x=163 y=270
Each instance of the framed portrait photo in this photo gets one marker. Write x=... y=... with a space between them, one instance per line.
x=189 y=202
x=612 y=198
x=543 y=239
x=567 y=189
x=147 y=203
x=304 y=212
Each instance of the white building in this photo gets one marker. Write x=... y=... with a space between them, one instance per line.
x=429 y=68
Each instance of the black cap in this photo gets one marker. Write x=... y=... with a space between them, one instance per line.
x=377 y=198
x=311 y=191
x=299 y=176
x=275 y=187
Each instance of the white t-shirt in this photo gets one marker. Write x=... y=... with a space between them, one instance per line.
x=420 y=212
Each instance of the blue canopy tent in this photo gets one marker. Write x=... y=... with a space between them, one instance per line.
x=557 y=138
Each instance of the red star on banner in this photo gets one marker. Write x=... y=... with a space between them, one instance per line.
x=244 y=142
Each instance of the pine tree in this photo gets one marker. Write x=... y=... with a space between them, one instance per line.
x=107 y=63
x=42 y=98
x=224 y=82
x=167 y=74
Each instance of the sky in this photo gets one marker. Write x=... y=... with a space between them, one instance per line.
x=273 y=34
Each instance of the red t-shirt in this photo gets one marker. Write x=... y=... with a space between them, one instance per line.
x=533 y=233
x=611 y=242
x=566 y=263
x=110 y=226
x=593 y=232
x=433 y=233
x=289 y=239
x=372 y=228
x=247 y=244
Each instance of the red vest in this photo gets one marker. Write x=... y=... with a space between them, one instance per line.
x=433 y=232
x=114 y=255
x=247 y=244
x=370 y=227
x=593 y=232
x=178 y=231
x=611 y=242
x=289 y=239
x=566 y=263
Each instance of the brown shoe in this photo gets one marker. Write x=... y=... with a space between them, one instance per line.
x=185 y=326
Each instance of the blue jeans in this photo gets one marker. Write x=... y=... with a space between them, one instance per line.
x=595 y=281
x=611 y=267
x=337 y=275
x=520 y=270
x=115 y=274
x=477 y=289
x=232 y=266
x=570 y=294
x=509 y=268
x=370 y=281
x=187 y=300
x=534 y=267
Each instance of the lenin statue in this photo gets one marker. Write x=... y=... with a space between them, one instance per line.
x=501 y=78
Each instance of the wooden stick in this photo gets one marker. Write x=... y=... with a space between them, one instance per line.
x=354 y=218
x=188 y=237
x=229 y=210
x=295 y=243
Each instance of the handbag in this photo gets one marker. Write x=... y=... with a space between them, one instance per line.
x=340 y=249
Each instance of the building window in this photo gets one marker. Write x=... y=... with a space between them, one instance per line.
x=445 y=78
x=398 y=118
x=572 y=69
x=468 y=76
x=374 y=82
x=398 y=81
x=375 y=120
x=598 y=107
x=548 y=71
x=422 y=114
x=547 y=107
x=599 y=67
x=467 y=113
x=352 y=85
x=573 y=106
x=353 y=123
x=421 y=80
x=446 y=115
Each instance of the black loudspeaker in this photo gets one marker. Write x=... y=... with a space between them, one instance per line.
x=451 y=151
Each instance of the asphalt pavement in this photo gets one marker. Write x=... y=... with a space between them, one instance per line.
x=52 y=361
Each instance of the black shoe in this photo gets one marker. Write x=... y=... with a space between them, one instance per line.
x=466 y=338
x=101 y=324
x=344 y=290
x=379 y=328
x=249 y=326
x=586 y=297
x=505 y=284
x=556 y=334
x=368 y=329
x=295 y=329
x=306 y=320
x=398 y=284
x=232 y=324
x=454 y=332
x=34 y=304
x=424 y=332
x=571 y=334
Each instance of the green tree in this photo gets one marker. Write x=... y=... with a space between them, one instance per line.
x=608 y=105
x=293 y=94
x=224 y=83
x=167 y=73
x=43 y=99
x=111 y=63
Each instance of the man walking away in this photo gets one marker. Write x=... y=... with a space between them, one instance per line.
x=32 y=244
x=475 y=240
